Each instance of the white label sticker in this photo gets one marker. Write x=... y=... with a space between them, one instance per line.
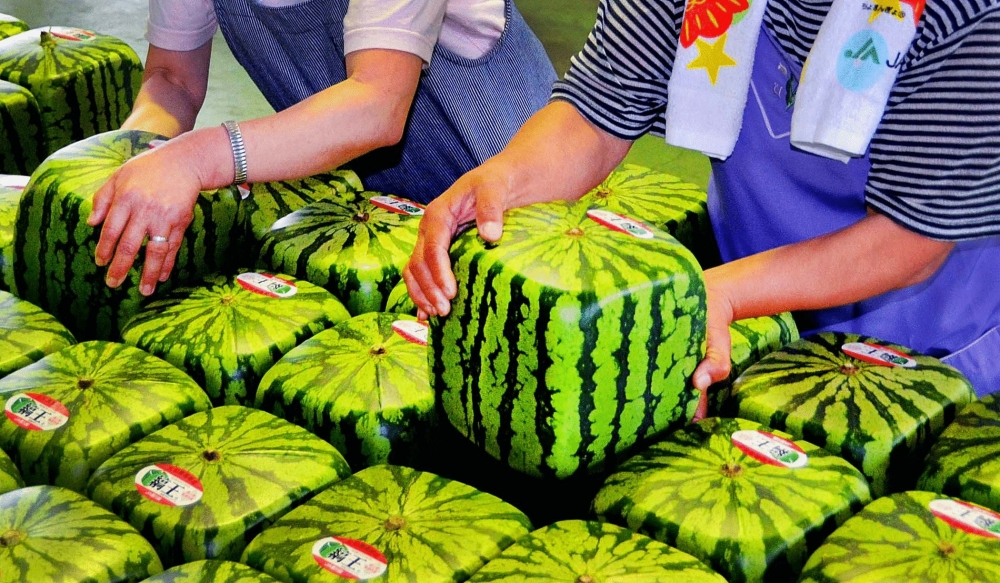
x=875 y=354
x=415 y=332
x=244 y=190
x=397 y=205
x=266 y=284
x=67 y=33
x=770 y=449
x=156 y=143
x=968 y=517
x=14 y=181
x=349 y=558
x=36 y=412
x=621 y=224
x=168 y=485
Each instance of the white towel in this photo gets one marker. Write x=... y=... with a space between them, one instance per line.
x=851 y=69
x=711 y=75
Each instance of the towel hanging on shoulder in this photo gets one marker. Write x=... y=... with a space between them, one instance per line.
x=843 y=89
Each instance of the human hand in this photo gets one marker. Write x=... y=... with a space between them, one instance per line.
x=152 y=194
x=716 y=365
x=481 y=194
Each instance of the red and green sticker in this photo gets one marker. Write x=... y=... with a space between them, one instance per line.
x=411 y=331
x=74 y=34
x=349 y=558
x=36 y=412
x=875 y=354
x=397 y=205
x=266 y=284
x=244 y=190
x=168 y=485
x=620 y=223
x=14 y=181
x=770 y=449
x=967 y=517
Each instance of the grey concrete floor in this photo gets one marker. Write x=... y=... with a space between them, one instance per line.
x=562 y=25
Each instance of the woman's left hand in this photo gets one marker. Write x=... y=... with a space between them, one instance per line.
x=152 y=195
x=717 y=363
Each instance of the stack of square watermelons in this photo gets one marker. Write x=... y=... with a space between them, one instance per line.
x=538 y=433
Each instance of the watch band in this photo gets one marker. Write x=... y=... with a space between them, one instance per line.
x=239 y=151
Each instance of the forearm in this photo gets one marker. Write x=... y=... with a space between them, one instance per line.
x=163 y=108
x=868 y=258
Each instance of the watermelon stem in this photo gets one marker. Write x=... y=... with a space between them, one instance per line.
x=731 y=470
x=575 y=232
x=849 y=369
x=395 y=523
x=602 y=193
x=11 y=538
x=947 y=549
x=47 y=40
x=84 y=384
x=211 y=455
x=377 y=350
x=361 y=217
x=585 y=579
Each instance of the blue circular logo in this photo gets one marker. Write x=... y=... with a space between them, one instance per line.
x=862 y=61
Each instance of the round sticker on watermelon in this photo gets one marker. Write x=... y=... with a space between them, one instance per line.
x=415 y=332
x=349 y=558
x=266 y=284
x=770 y=449
x=967 y=517
x=169 y=485
x=397 y=205
x=74 y=34
x=875 y=354
x=36 y=412
x=619 y=223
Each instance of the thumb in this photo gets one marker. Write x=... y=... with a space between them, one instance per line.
x=102 y=202
x=716 y=365
x=489 y=212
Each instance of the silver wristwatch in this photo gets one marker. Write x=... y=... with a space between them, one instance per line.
x=239 y=151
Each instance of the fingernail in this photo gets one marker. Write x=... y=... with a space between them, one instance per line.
x=146 y=289
x=702 y=380
x=100 y=262
x=113 y=283
x=491 y=230
x=443 y=308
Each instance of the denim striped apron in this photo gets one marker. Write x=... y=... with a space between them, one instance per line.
x=465 y=110
x=767 y=195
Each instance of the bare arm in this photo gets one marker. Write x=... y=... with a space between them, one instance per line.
x=173 y=91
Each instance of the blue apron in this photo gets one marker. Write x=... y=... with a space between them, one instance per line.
x=465 y=110
x=767 y=195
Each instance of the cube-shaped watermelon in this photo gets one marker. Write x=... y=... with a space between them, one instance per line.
x=72 y=410
x=270 y=201
x=399 y=301
x=211 y=572
x=10 y=477
x=11 y=188
x=22 y=144
x=229 y=332
x=205 y=486
x=751 y=503
x=571 y=340
x=10 y=25
x=27 y=334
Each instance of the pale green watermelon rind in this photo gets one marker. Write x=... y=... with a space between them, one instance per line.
x=897 y=538
x=10 y=476
x=130 y=394
x=211 y=572
x=62 y=536
x=571 y=549
x=9 y=200
x=803 y=390
x=449 y=529
x=375 y=409
x=400 y=302
x=965 y=460
x=265 y=467
x=27 y=334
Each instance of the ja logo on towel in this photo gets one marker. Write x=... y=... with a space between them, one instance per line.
x=861 y=62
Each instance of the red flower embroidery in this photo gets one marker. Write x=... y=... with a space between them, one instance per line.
x=709 y=18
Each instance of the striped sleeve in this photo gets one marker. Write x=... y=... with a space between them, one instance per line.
x=619 y=80
x=936 y=155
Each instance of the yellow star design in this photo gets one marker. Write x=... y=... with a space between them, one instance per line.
x=712 y=57
x=890 y=7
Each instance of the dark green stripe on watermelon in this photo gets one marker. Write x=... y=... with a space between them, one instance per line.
x=27 y=334
x=880 y=418
x=83 y=87
x=575 y=551
x=663 y=201
x=22 y=143
x=10 y=198
x=898 y=539
x=362 y=386
x=749 y=520
x=346 y=244
x=568 y=342
x=10 y=477
x=429 y=529
x=399 y=301
x=114 y=395
x=54 y=247
x=252 y=467
x=226 y=337
x=9 y=26
x=53 y=534
x=965 y=461
x=211 y=572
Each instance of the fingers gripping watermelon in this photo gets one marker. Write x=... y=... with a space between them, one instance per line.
x=9 y=26
x=205 y=486
x=965 y=461
x=575 y=551
x=85 y=83
x=911 y=536
x=54 y=534
x=86 y=402
x=421 y=527
x=54 y=247
x=362 y=386
x=27 y=334
x=750 y=503
x=22 y=144
x=570 y=341
x=229 y=332
x=880 y=417
x=211 y=572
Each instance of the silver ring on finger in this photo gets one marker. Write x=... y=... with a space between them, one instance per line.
x=157 y=239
